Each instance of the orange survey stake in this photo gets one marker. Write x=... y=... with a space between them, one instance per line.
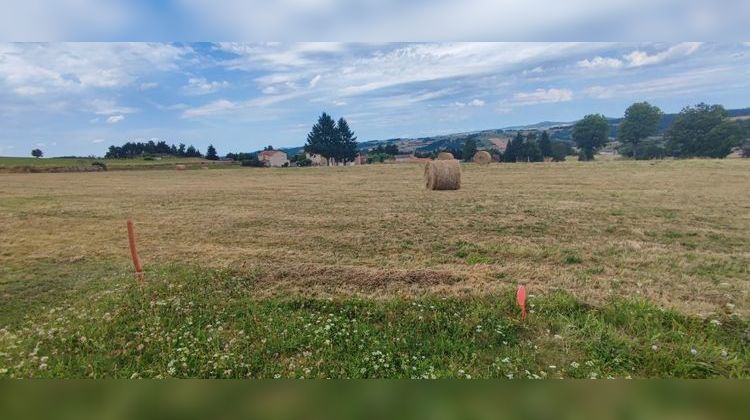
x=134 y=252
x=521 y=300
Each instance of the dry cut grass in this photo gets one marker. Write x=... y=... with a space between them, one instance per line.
x=674 y=232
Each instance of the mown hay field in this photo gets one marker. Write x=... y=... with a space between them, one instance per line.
x=605 y=246
x=24 y=165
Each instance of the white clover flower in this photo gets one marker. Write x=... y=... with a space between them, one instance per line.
x=715 y=322
x=723 y=353
x=574 y=365
x=654 y=347
x=694 y=352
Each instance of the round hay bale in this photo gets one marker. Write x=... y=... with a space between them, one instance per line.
x=180 y=167
x=445 y=156
x=442 y=175
x=482 y=157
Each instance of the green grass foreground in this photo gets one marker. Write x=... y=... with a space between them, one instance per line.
x=208 y=324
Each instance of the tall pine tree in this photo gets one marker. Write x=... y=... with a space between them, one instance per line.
x=514 y=149
x=470 y=149
x=545 y=144
x=211 y=153
x=346 y=150
x=532 y=151
x=323 y=137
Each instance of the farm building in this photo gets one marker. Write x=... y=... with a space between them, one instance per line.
x=275 y=158
x=318 y=160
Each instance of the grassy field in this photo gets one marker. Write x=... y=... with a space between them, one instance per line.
x=635 y=269
x=21 y=164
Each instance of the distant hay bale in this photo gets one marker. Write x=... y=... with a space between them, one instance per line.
x=445 y=156
x=442 y=175
x=180 y=167
x=482 y=157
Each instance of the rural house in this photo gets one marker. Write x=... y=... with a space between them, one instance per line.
x=275 y=158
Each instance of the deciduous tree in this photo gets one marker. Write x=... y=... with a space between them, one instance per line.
x=641 y=121
x=590 y=134
x=702 y=131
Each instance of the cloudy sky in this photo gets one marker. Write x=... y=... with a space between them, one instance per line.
x=78 y=98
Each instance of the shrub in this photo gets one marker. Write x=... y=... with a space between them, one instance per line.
x=647 y=149
x=253 y=162
x=378 y=157
x=100 y=164
x=560 y=150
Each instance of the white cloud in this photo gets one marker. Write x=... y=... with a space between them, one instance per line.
x=114 y=119
x=641 y=58
x=534 y=71
x=359 y=69
x=65 y=68
x=215 y=107
x=600 y=63
x=148 y=85
x=109 y=107
x=96 y=141
x=29 y=90
x=678 y=83
x=543 y=96
x=314 y=81
x=477 y=103
x=201 y=86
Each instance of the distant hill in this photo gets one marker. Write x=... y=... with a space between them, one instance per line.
x=490 y=139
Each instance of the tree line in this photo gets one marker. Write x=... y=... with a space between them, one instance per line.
x=698 y=131
x=160 y=148
x=523 y=147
